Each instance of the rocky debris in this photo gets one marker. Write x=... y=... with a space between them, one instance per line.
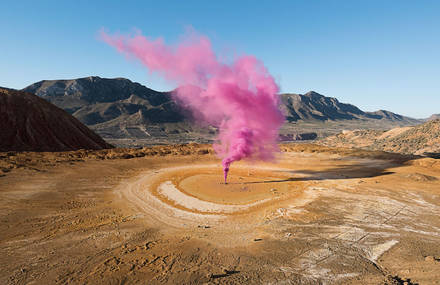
x=431 y=258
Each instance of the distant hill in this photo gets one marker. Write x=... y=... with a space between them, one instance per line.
x=117 y=108
x=420 y=139
x=124 y=110
x=434 y=117
x=29 y=123
x=95 y=100
x=392 y=117
x=314 y=106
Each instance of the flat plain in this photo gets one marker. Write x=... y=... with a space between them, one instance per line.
x=162 y=215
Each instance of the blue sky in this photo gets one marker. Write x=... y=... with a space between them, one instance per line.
x=373 y=54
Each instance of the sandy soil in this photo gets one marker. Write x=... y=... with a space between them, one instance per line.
x=317 y=216
x=422 y=139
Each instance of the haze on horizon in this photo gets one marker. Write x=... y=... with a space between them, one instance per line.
x=373 y=54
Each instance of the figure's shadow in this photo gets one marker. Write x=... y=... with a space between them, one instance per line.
x=344 y=172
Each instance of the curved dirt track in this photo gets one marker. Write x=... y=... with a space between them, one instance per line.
x=309 y=218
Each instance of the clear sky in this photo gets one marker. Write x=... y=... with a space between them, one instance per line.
x=374 y=54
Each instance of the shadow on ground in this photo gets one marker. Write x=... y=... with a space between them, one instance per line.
x=345 y=172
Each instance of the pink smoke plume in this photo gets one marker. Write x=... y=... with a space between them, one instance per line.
x=239 y=98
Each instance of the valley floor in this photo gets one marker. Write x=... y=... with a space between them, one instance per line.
x=318 y=215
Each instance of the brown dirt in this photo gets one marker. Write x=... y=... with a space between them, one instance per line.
x=163 y=216
x=421 y=139
x=28 y=122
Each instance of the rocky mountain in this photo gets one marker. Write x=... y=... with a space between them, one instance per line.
x=434 y=117
x=422 y=139
x=314 y=106
x=391 y=117
x=29 y=123
x=119 y=109
x=95 y=100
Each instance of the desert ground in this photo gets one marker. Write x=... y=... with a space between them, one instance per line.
x=162 y=215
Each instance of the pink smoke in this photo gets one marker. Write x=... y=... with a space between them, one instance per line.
x=239 y=98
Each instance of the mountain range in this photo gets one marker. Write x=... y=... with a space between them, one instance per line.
x=314 y=106
x=119 y=109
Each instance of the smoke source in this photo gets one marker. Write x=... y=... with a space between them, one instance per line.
x=240 y=98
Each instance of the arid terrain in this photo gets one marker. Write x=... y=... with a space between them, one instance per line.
x=216 y=142
x=423 y=139
x=28 y=122
x=128 y=114
x=162 y=215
